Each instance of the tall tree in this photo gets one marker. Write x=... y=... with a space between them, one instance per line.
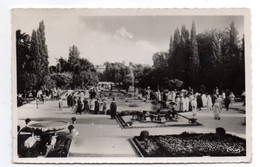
x=174 y=52
x=73 y=56
x=39 y=55
x=22 y=61
x=43 y=50
x=194 y=61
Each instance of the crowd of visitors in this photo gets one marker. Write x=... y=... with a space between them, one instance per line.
x=186 y=100
x=80 y=104
x=40 y=96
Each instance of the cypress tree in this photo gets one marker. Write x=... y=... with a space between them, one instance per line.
x=194 y=61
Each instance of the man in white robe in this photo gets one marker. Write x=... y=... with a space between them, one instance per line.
x=186 y=103
x=209 y=102
x=178 y=103
x=204 y=100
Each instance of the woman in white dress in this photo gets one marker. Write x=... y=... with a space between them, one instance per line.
x=173 y=96
x=182 y=104
x=223 y=95
x=209 y=102
x=204 y=100
x=178 y=103
x=194 y=106
x=217 y=107
x=232 y=97
x=186 y=103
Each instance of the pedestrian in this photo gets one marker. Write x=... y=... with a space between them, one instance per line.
x=86 y=107
x=223 y=96
x=74 y=102
x=173 y=96
x=209 y=102
x=60 y=103
x=79 y=106
x=37 y=102
x=217 y=107
x=186 y=103
x=96 y=109
x=178 y=103
x=194 y=106
x=69 y=100
x=204 y=100
x=227 y=102
x=113 y=108
x=217 y=91
x=199 y=101
x=232 y=98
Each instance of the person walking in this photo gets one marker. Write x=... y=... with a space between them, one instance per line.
x=227 y=102
x=194 y=106
x=79 y=106
x=69 y=100
x=182 y=103
x=178 y=103
x=217 y=107
x=37 y=102
x=186 y=103
x=113 y=108
x=199 y=101
x=86 y=107
x=60 y=103
x=209 y=102
x=232 y=98
x=96 y=109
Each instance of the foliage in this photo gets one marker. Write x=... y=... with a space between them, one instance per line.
x=85 y=78
x=32 y=59
x=62 y=79
x=213 y=58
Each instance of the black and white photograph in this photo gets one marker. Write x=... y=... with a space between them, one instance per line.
x=131 y=85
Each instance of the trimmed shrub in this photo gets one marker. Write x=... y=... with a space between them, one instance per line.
x=144 y=135
x=220 y=131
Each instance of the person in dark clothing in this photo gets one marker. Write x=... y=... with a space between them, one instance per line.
x=74 y=101
x=227 y=102
x=214 y=98
x=86 y=107
x=69 y=100
x=113 y=108
x=79 y=108
x=96 y=110
x=199 y=102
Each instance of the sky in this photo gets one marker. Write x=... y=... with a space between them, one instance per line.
x=102 y=38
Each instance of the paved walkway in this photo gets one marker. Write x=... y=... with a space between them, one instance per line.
x=99 y=136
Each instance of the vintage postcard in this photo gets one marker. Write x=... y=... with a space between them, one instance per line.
x=131 y=85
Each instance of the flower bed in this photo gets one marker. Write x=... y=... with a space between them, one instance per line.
x=191 y=145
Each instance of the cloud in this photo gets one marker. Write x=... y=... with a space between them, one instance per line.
x=123 y=33
x=147 y=46
x=101 y=46
x=96 y=44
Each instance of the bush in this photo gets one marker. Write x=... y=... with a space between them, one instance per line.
x=144 y=135
x=220 y=131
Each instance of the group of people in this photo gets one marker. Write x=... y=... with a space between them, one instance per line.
x=186 y=100
x=181 y=101
x=81 y=104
